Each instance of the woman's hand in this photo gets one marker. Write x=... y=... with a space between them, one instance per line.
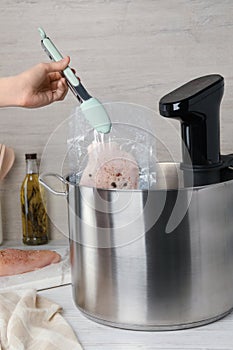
x=36 y=87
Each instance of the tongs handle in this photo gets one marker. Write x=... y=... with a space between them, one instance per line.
x=54 y=54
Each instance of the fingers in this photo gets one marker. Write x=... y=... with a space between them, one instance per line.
x=61 y=90
x=54 y=84
x=56 y=75
x=58 y=66
x=58 y=84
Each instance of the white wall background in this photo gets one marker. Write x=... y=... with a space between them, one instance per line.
x=132 y=51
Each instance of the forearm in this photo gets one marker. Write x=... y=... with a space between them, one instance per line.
x=9 y=92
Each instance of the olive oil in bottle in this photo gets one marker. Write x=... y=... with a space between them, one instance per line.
x=34 y=216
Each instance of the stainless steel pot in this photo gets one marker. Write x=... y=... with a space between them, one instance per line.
x=152 y=260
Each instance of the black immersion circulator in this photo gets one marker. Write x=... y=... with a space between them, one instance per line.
x=197 y=104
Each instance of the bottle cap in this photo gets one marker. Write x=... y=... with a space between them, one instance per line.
x=30 y=156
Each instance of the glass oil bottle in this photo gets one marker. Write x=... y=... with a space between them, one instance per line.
x=34 y=215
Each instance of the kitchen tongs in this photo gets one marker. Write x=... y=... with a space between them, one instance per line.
x=92 y=109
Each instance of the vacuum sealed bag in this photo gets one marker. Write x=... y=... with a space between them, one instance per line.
x=125 y=158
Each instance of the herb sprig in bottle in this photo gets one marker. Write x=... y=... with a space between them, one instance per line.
x=34 y=215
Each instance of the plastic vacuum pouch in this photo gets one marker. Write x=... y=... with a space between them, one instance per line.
x=113 y=160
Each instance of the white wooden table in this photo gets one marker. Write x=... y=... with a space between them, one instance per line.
x=215 y=336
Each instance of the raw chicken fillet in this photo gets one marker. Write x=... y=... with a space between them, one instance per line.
x=110 y=167
x=17 y=261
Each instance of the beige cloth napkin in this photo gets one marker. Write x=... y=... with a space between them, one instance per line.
x=31 y=322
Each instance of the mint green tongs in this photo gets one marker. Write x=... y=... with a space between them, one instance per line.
x=92 y=109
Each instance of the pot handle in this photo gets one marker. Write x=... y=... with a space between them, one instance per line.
x=50 y=189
